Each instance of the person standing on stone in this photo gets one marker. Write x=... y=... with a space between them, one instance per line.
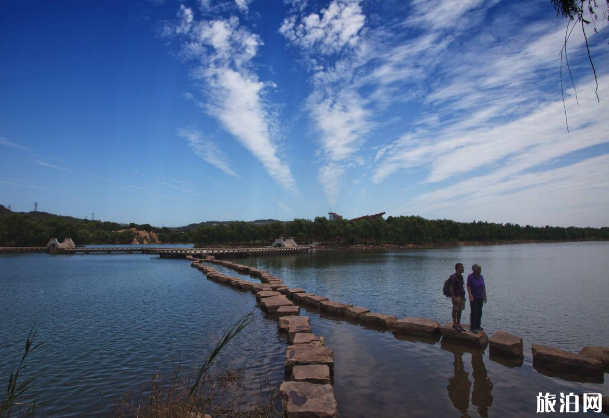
x=457 y=293
x=477 y=297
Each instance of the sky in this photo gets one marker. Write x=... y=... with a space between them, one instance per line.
x=174 y=112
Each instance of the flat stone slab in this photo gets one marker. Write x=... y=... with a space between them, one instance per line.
x=505 y=344
x=308 y=338
x=308 y=400
x=258 y=287
x=245 y=285
x=299 y=297
x=377 y=320
x=355 y=311
x=598 y=353
x=314 y=300
x=266 y=294
x=273 y=303
x=306 y=354
x=294 y=323
x=334 y=308
x=478 y=340
x=418 y=327
x=314 y=373
x=293 y=290
x=568 y=363
x=288 y=310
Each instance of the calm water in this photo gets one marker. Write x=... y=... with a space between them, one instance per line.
x=111 y=321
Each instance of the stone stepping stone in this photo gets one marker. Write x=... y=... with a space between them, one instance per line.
x=306 y=354
x=308 y=338
x=562 y=362
x=294 y=325
x=288 y=310
x=308 y=400
x=418 y=327
x=291 y=291
x=273 y=303
x=378 y=320
x=354 y=311
x=505 y=344
x=266 y=294
x=333 y=308
x=261 y=286
x=245 y=285
x=315 y=373
x=478 y=340
x=314 y=300
x=299 y=297
x=276 y=286
x=598 y=353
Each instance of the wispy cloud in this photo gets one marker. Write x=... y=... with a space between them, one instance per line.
x=17 y=183
x=56 y=167
x=283 y=206
x=331 y=43
x=7 y=143
x=223 y=51
x=206 y=150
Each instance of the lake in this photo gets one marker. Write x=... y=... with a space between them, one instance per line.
x=111 y=321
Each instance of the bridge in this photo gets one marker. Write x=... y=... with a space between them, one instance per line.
x=161 y=251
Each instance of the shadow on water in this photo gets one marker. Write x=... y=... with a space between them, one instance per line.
x=460 y=385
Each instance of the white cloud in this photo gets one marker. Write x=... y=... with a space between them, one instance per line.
x=337 y=109
x=242 y=4
x=206 y=150
x=7 y=143
x=328 y=32
x=42 y=163
x=283 y=206
x=223 y=51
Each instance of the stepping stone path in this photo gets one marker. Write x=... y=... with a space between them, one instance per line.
x=334 y=308
x=379 y=320
x=506 y=345
x=562 y=362
x=478 y=340
x=309 y=364
x=418 y=327
x=354 y=312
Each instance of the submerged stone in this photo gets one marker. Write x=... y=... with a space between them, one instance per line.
x=377 y=320
x=308 y=400
x=478 y=340
x=314 y=373
x=418 y=327
x=354 y=311
x=562 y=362
x=598 y=353
x=273 y=303
x=505 y=344
x=288 y=310
x=334 y=308
x=306 y=354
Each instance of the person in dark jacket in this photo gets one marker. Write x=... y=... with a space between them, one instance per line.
x=477 y=297
x=457 y=293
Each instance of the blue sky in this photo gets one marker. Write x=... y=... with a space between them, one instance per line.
x=171 y=112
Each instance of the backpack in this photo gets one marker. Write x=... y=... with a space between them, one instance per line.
x=446 y=288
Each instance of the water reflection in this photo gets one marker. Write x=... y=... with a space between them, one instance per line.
x=459 y=385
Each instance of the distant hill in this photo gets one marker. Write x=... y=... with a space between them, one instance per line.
x=192 y=227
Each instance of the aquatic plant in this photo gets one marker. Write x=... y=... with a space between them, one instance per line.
x=16 y=389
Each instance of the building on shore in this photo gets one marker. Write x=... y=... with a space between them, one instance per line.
x=333 y=216
x=285 y=243
x=53 y=245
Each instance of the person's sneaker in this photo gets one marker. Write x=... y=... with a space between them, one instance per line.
x=456 y=327
x=480 y=329
x=474 y=331
x=462 y=329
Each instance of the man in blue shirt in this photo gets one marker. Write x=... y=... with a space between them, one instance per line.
x=477 y=297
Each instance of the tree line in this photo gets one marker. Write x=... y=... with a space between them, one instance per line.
x=23 y=230
x=20 y=229
x=398 y=230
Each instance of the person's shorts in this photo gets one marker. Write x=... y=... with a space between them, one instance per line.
x=459 y=303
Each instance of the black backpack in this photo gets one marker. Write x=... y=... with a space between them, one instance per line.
x=446 y=288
